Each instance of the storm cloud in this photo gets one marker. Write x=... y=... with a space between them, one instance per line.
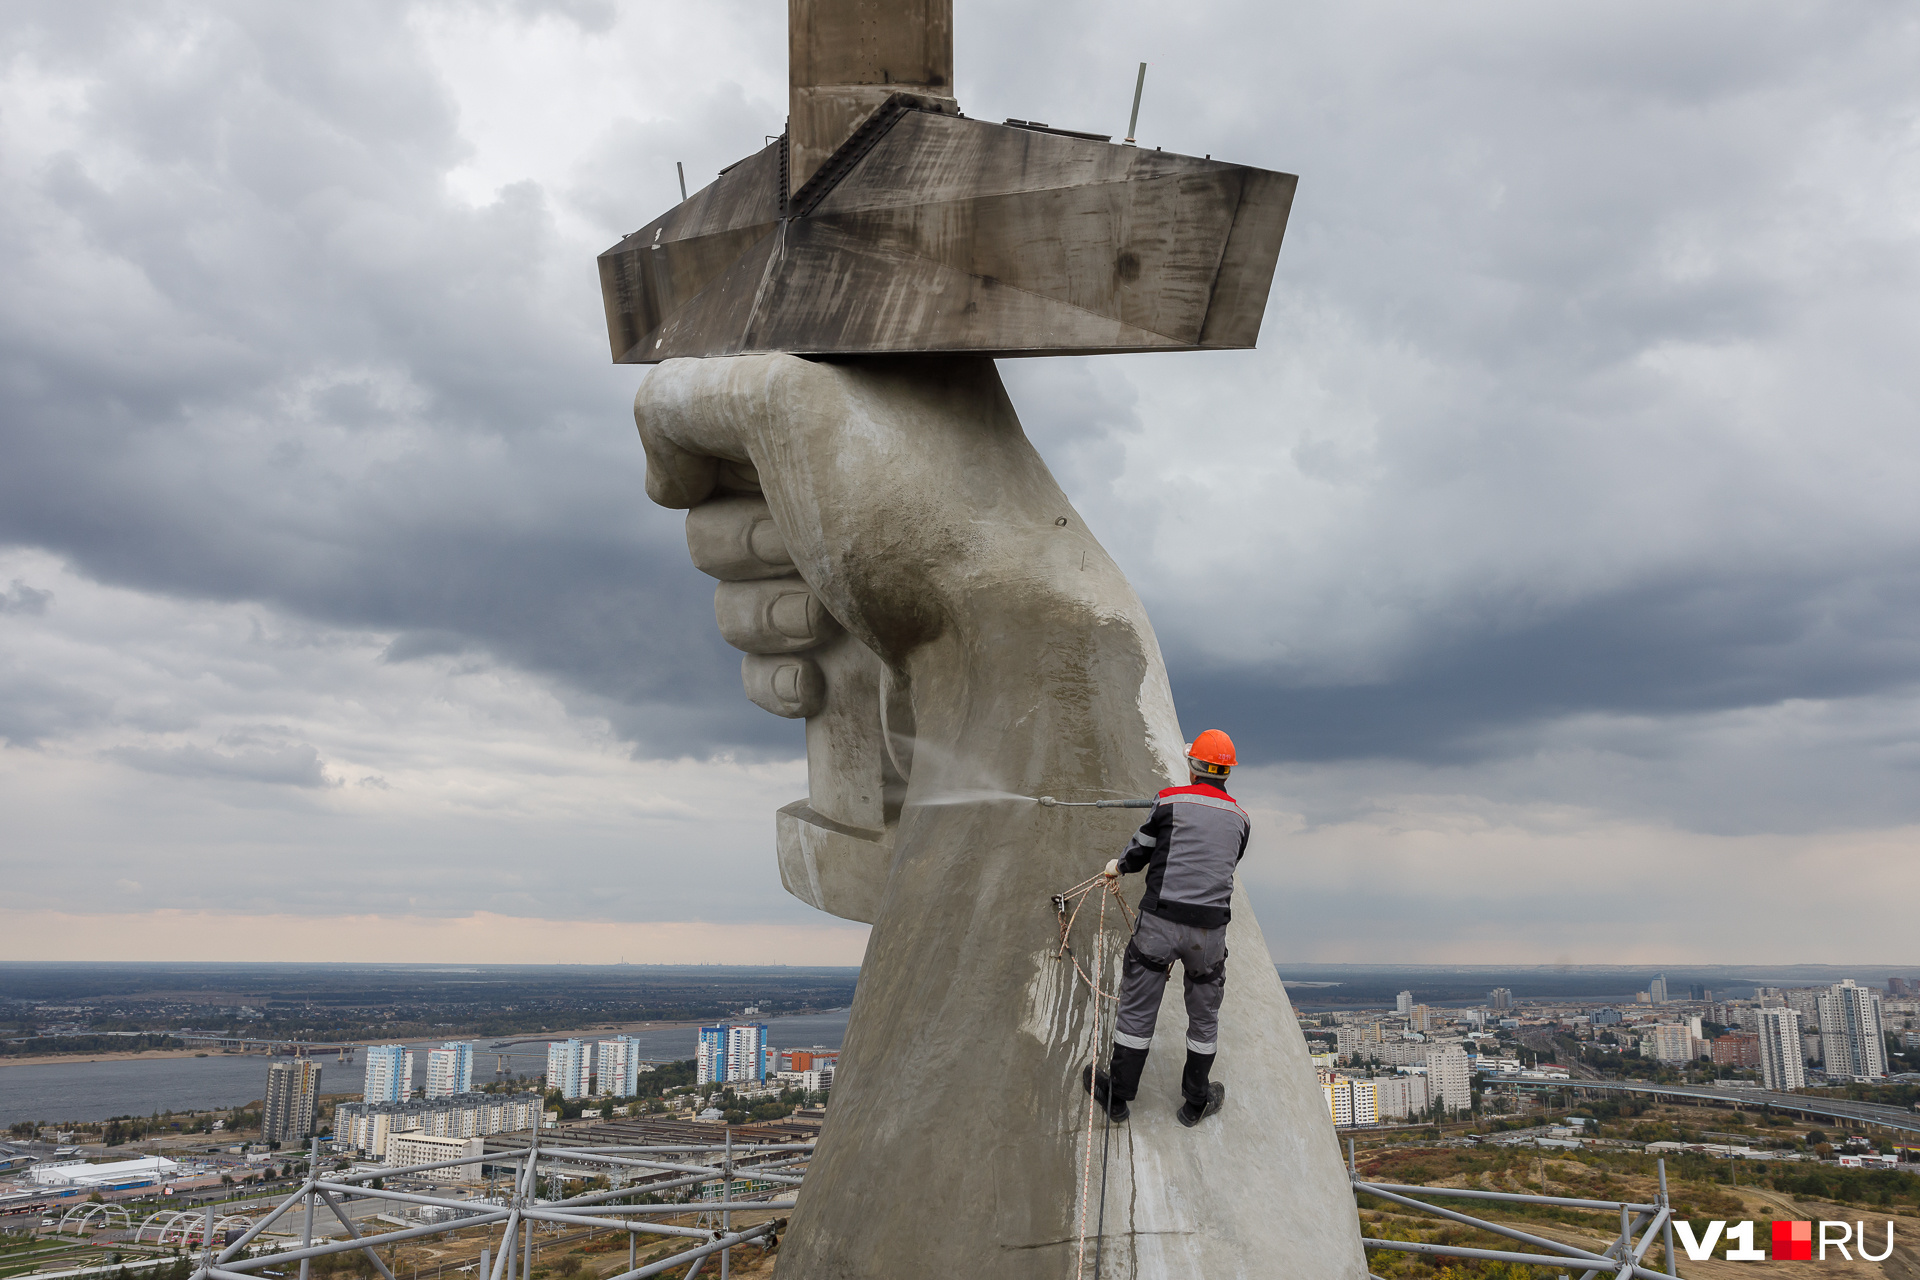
x=1574 y=473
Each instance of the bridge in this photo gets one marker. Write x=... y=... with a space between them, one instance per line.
x=1862 y=1113
x=282 y=1047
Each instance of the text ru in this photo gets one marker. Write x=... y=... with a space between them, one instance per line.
x=1792 y=1241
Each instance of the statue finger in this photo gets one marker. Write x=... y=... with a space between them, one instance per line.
x=772 y=615
x=734 y=539
x=788 y=684
x=695 y=417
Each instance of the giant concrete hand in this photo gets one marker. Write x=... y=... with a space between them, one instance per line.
x=903 y=571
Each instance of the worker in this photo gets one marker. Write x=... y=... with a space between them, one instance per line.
x=1189 y=847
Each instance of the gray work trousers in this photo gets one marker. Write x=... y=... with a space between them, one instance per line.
x=1156 y=944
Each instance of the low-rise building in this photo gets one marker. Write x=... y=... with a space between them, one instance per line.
x=1736 y=1049
x=368 y=1126
x=405 y=1150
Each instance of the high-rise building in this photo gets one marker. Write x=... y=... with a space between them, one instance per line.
x=1668 y=1042
x=293 y=1097
x=746 y=1052
x=1420 y=1017
x=1403 y=1004
x=567 y=1068
x=712 y=1055
x=733 y=1052
x=1852 y=1043
x=450 y=1069
x=389 y=1073
x=616 y=1065
x=1351 y=1101
x=1500 y=998
x=1449 y=1077
x=1781 y=1066
x=1657 y=989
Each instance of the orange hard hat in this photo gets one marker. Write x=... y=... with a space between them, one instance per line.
x=1211 y=753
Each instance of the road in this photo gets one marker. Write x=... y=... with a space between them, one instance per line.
x=1877 y=1113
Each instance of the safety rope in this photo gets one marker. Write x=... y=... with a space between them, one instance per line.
x=1097 y=999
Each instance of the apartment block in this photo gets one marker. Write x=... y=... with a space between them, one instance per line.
x=367 y=1126
x=404 y=1150
x=1449 y=1077
x=450 y=1069
x=567 y=1068
x=1782 y=1065
x=293 y=1097
x=389 y=1073
x=1668 y=1042
x=1853 y=1045
x=1736 y=1049
x=616 y=1066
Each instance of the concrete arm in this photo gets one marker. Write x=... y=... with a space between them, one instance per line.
x=892 y=549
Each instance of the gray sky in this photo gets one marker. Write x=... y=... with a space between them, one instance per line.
x=1553 y=561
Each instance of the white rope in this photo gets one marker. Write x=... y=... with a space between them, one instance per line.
x=1096 y=995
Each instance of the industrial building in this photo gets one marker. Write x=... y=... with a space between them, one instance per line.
x=121 y=1175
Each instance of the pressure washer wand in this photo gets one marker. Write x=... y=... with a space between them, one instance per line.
x=1051 y=803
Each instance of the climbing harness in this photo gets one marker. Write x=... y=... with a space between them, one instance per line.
x=1098 y=998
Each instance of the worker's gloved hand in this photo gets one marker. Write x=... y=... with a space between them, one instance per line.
x=1112 y=869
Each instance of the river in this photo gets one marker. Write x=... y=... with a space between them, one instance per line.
x=56 y=1092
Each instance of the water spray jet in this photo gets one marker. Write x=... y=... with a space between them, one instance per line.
x=1051 y=803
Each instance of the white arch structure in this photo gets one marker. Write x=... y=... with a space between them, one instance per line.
x=187 y=1225
x=81 y=1215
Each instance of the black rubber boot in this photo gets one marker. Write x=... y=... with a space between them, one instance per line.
x=1100 y=1087
x=1202 y=1098
x=1119 y=1084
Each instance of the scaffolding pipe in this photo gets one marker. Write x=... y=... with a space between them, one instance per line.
x=1462 y=1193
x=1485 y=1255
x=1510 y=1233
x=1666 y=1203
x=353 y=1233
x=743 y=1236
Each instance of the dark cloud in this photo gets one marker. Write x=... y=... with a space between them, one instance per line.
x=1585 y=390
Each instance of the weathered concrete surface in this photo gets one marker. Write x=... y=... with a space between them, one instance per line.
x=845 y=57
x=1011 y=654
x=933 y=233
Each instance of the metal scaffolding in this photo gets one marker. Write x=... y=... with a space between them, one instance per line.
x=692 y=1170
x=667 y=1170
x=1640 y=1224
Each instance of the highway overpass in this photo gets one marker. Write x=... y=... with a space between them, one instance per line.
x=1870 y=1113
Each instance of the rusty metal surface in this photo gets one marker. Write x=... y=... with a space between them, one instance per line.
x=927 y=232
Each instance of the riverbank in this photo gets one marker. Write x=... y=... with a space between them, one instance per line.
x=325 y=1057
x=42 y=1059
x=85 y=1087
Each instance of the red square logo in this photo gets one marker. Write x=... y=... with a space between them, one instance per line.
x=1793 y=1242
